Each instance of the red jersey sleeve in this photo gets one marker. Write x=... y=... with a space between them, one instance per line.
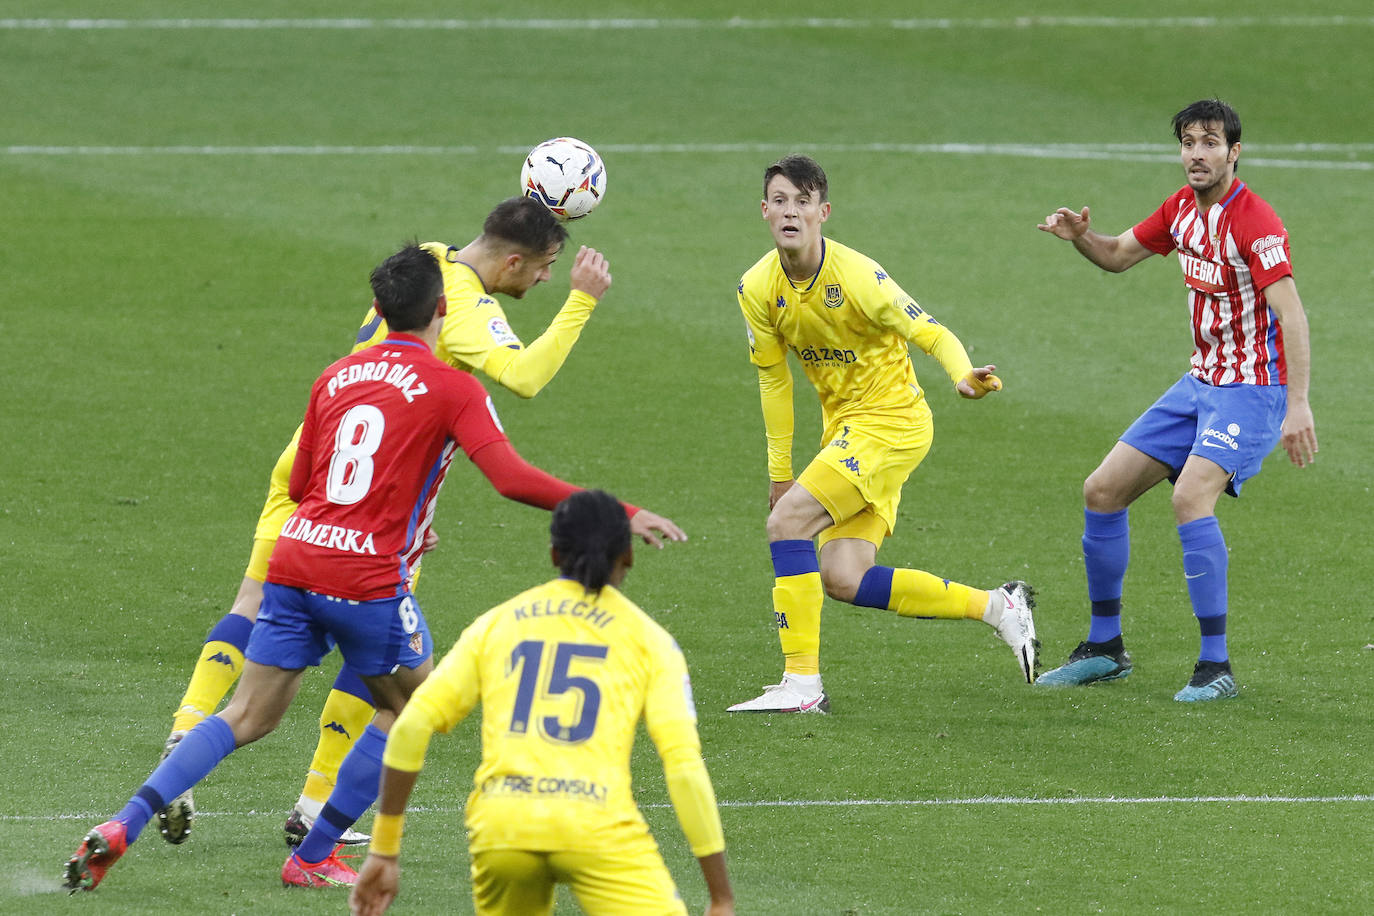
x=517 y=479
x=305 y=451
x=1263 y=242
x=1153 y=231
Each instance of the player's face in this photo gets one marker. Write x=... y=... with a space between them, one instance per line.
x=794 y=216
x=1208 y=162
x=526 y=271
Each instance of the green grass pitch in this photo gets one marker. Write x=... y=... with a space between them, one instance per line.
x=187 y=219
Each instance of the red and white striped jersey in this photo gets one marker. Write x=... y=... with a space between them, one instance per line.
x=1228 y=255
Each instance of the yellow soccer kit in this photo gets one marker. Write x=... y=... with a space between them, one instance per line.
x=849 y=326
x=563 y=678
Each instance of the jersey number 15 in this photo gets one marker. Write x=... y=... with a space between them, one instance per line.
x=527 y=656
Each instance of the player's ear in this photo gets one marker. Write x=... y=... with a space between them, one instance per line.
x=441 y=306
x=553 y=555
x=825 y=211
x=1233 y=154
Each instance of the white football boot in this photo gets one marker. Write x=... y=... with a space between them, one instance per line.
x=789 y=696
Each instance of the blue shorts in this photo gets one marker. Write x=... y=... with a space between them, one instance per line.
x=296 y=628
x=1233 y=426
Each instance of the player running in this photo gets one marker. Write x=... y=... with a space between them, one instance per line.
x=519 y=244
x=849 y=324
x=1245 y=390
x=379 y=434
x=563 y=673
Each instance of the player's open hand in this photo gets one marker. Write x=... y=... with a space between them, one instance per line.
x=378 y=882
x=591 y=273
x=430 y=542
x=777 y=489
x=978 y=382
x=1066 y=224
x=1299 y=435
x=654 y=528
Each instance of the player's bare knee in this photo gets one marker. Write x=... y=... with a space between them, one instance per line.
x=840 y=584
x=1100 y=494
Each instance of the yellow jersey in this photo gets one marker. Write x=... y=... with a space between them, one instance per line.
x=563 y=678
x=476 y=337
x=849 y=326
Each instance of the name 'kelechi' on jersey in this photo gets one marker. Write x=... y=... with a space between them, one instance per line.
x=379 y=434
x=1228 y=255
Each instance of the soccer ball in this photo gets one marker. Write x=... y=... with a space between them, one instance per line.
x=566 y=175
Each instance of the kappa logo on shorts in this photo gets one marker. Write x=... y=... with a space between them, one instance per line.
x=417 y=643
x=852 y=463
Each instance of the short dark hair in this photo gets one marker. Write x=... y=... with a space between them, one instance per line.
x=803 y=171
x=526 y=223
x=590 y=531
x=1207 y=111
x=407 y=286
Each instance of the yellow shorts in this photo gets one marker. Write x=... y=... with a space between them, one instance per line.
x=858 y=476
x=515 y=882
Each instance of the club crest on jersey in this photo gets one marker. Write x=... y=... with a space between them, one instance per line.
x=834 y=296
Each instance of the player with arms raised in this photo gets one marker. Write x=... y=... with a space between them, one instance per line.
x=379 y=434
x=563 y=673
x=849 y=324
x=519 y=243
x=1245 y=390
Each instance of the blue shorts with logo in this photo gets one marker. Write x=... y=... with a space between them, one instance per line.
x=1233 y=426
x=296 y=628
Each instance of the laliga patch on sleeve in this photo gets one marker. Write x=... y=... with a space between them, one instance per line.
x=500 y=332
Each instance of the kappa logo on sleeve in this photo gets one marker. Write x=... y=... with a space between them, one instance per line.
x=500 y=332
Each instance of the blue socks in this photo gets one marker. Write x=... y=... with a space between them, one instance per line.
x=232 y=629
x=1205 y=562
x=1106 y=552
x=875 y=589
x=359 y=782
x=190 y=761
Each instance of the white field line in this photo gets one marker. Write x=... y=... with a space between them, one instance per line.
x=985 y=800
x=1116 y=152
x=684 y=24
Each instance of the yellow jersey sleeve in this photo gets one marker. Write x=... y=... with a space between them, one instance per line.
x=775 y=393
x=766 y=344
x=441 y=702
x=894 y=309
x=670 y=717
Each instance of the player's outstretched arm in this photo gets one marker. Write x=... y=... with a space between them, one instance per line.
x=655 y=528
x=590 y=273
x=526 y=371
x=1112 y=253
x=978 y=382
